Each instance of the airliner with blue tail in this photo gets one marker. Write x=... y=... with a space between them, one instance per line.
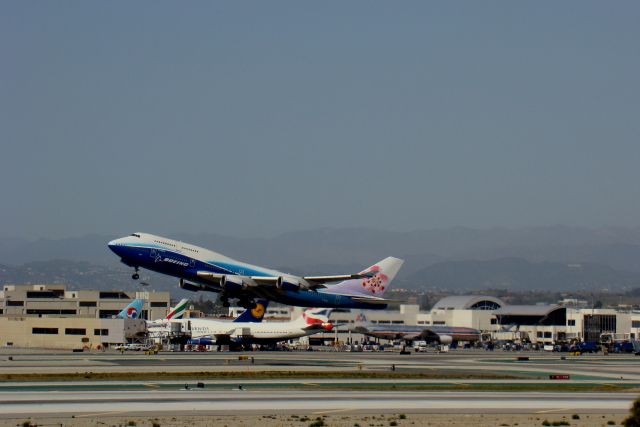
x=200 y=269
x=132 y=311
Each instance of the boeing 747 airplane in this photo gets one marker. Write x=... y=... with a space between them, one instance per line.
x=200 y=269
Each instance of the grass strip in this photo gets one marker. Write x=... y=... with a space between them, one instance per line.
x=221 y=375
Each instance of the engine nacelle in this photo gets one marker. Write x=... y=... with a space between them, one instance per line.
x=190 y=286
x=445 y=339
x=287 y=283
x=232 y=284
x=327 y=326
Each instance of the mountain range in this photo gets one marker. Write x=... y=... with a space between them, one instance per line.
x=558 y=257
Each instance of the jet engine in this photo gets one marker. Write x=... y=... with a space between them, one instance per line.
x=190 y=286
x=231 y=284
x=445 y=339
x=286 y=283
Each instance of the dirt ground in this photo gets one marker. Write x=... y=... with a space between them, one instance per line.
x=337 y=420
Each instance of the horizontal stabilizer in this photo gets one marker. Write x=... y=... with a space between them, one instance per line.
x=370 y=300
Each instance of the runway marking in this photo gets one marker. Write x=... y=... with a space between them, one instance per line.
x=553 y=410
x=331 y=411
x=152 y=385
x=310 y=384
x=101 y=413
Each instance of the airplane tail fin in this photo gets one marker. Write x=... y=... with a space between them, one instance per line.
x=376 y=284
x=177 y=311
x=360 y=320
x=316 y=318
x=133 y=310
x=254 y=315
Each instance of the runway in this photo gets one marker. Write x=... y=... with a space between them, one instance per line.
x=85 y=386
x=228 y=402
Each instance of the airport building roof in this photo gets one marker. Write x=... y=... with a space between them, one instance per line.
x=468 y=302
x=526 y=310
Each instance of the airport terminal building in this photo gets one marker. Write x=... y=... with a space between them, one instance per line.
x=544 y=324
x=50 y=316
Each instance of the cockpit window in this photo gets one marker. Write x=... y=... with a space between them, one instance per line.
x=136 y=235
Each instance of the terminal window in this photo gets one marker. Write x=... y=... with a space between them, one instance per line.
x=75 y=331
x=635 y=323
x=88 y=304
x=44 y=331
x=11 y=303
x=45 y=294
x=41 y=311
x=113 y=295
x=158 y=304
x=106 y=314
x=571 y=322
x=101 y=332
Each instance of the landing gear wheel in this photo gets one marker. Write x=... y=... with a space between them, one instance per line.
x=135 y=276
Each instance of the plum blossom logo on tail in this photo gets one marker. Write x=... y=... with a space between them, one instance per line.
x=376 y=283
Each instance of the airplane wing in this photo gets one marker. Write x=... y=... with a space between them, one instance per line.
x=411 y=336
x=314 y=281
x=337 y=278
x=311 y=282
x=225 y=336
x=314 y=327
x=369 y=299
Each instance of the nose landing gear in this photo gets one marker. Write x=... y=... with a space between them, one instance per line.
x=135 y=276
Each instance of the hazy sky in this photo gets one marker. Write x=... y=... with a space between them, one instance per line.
x=255 y=118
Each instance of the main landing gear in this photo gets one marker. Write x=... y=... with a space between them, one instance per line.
x=135 y=276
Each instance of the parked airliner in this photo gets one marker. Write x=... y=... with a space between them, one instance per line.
x=200 y=269
x=163 y=327
x=440 y=334
x=209 y=332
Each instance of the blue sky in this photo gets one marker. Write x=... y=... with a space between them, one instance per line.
x=256 y=118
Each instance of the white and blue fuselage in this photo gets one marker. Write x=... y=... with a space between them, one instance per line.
x=199 y=265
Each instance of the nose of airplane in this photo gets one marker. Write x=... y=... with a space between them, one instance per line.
x=116 y=245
